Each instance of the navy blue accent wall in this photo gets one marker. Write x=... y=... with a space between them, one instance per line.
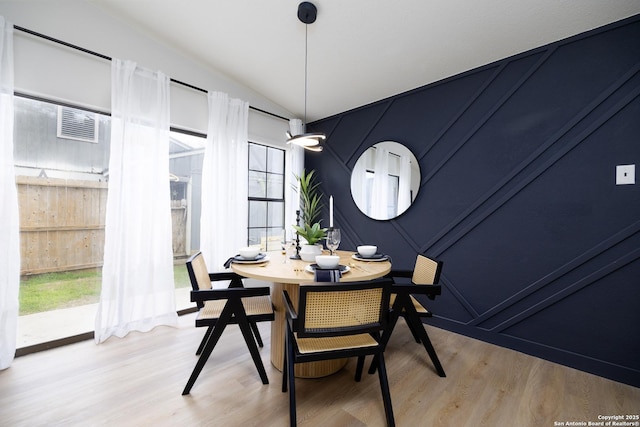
x=541 y=249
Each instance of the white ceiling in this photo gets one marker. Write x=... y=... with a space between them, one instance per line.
x=359 y=51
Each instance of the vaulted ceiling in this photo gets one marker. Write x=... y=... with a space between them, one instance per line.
x=359 y=51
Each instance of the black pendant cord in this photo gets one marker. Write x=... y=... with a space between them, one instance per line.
x=108 y=58
x=306 y=52
x=307 y=14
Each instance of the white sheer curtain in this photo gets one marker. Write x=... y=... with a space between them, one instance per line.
x=9 y=220
x=137 y=278
x=359 y=184
x=294 y=165
x=404 y=184
x=380 y=191
x=224 y=217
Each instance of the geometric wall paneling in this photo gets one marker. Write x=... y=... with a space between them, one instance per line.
x=587 y=338
x=541 y=249
x=478 y=111
x=441 y=102
x=355 y=127
x=583 y=270
x=555 y=143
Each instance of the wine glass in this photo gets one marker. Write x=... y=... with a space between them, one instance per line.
x=333 y=239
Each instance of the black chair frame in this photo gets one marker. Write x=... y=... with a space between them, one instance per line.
x=294 y=324
x=403 y=306
x=233 y=312
x=235 y=282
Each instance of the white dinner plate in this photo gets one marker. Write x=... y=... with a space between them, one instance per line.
x=251 y=261
x=258 y=257
x=359 y=258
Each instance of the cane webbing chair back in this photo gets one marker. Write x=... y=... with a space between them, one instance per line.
x=339 y=311
x=426 y=271
x=200 y=272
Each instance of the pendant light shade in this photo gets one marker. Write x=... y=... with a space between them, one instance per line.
x=307 y=13
x=306 y=139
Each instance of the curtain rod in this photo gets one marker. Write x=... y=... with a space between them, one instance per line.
x=99 y=55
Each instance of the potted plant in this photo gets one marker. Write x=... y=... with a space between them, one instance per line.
x=310 y=208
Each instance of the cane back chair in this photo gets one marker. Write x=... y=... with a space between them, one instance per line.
x=219 y=307
x=424 y=281
x=335 y=321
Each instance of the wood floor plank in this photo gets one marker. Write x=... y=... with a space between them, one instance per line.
x=138 y=380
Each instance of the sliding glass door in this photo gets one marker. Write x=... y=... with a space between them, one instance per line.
x=61 y=157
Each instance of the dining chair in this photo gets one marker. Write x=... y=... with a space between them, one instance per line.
x=336 y=321
x=196 y=262
x=219 y=307
x=425 y=277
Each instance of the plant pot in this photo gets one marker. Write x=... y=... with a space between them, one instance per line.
x=308 y=253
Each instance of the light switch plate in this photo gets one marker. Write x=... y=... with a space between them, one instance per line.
x=625 y=174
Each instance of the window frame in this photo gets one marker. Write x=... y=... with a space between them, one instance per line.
x=270 y=231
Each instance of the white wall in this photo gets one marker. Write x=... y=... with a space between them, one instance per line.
x=53 y=71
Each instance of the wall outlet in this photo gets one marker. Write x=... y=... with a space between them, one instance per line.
x=625 y=174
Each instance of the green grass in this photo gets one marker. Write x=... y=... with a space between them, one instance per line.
x=52 y=291
x=180 y=276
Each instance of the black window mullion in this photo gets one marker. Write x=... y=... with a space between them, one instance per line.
x=268 y=227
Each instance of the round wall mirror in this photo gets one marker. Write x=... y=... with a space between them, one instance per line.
x=385 y=180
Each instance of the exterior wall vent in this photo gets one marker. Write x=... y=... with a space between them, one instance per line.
x=77 y=124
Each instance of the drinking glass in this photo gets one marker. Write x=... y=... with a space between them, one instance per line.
x=333 y=239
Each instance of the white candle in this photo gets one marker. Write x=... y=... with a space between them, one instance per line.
x=331 y=211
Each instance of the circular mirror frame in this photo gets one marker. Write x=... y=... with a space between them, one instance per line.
x=402 y=185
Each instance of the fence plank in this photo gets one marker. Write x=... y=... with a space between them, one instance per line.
x=62 y=224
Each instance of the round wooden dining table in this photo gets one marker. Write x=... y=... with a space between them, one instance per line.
x=287 y=274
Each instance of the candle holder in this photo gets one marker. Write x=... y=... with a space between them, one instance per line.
x=297 y=254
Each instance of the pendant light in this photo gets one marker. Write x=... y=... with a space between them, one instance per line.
x=307 y=13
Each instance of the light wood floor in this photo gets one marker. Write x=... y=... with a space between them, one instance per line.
x=138 y=380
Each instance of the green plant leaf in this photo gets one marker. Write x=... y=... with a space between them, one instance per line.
x=311 y=233
x=310 y=199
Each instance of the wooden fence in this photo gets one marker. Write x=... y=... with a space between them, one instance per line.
x=62 y=224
